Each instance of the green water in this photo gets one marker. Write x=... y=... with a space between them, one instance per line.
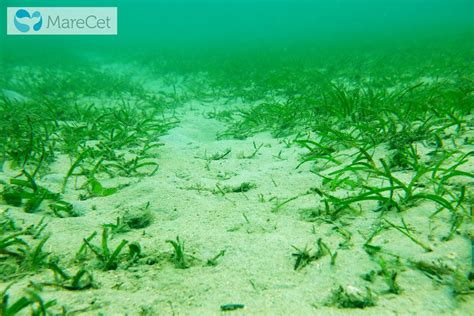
x=226 y=27
x=265 y=157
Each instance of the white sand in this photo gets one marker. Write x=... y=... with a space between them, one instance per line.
x=257 y=268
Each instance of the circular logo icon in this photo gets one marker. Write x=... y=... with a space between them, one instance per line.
x=23 y=20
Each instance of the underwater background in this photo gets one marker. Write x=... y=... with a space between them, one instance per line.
x=240 y=157
x=195 y=26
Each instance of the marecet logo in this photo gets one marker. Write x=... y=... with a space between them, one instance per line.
x=24 y=21
x=62 y=21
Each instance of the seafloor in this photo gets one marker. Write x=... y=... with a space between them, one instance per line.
x=340 y=187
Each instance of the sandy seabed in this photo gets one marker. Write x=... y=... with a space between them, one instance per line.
x=189 y=197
